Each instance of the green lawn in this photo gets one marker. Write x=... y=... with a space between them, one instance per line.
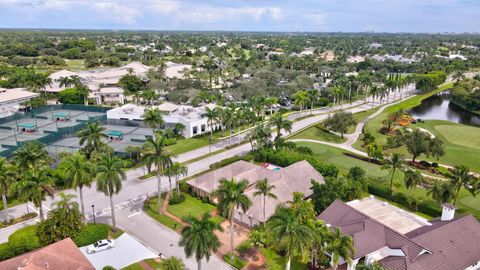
x=317 y=132
x=186 y=145
x=278 y=262
x=75 y=64
x=332 y=155
x=150 y=207
x=358 y=117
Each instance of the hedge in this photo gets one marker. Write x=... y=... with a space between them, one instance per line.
x=91 y=233
x=230 y=160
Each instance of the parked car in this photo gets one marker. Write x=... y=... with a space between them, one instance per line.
x=100 y=245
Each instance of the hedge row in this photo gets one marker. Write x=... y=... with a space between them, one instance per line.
x=428 y=207
x=26 y=239
x=230 y=160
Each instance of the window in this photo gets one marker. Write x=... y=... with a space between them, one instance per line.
x=203 y=128
x=195 y=130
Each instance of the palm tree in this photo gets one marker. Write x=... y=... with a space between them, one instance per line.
x=412 y=178
x=154 y=152
x=279 y=122
x=153 y=118
x=312 y=97
x=178 y=169
x=321 y=235
x=231 y=197
x=269 y=102
x=198 y=237
x=109 y=178
x=212 y=117
x=31 y=155
x=262 y=188
x=285 y=230
x=8 y=176
x=65 y=82
x=441 y=192
x=172 y=263
x=34 y=186
x=79 y=173
x=91 y=135
x=300 y=98
x=460 y=177
x=458 y=75
x=393 y=164
x=340 y=246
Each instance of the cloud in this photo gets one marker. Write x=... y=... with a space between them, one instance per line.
x=117 y=12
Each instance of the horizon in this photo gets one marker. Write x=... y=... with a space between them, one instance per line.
x=309 y=16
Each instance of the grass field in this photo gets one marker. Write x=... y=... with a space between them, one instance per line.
x=136 y=266
x=318 y=133
x=332 y=155
x=186 y=145
x=358 y=117
x=278 y=262
x=75 y=64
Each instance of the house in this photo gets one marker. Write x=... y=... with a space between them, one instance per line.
x=399 y=240
x=294 y=178
x=174 y=70
x=191 y=117
x=11 y=99
x=63 y=255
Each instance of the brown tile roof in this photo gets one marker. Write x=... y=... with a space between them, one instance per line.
x=62 y=255
x=444 y=245
x=294 y=178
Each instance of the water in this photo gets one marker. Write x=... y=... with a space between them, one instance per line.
x=439 y=107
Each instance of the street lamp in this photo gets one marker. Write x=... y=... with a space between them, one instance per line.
x=93 y=210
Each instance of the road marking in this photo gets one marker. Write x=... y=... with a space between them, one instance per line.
x=134 y=214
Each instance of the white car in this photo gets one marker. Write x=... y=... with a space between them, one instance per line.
x=100 y=245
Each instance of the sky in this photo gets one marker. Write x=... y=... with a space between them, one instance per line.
x=245 y=15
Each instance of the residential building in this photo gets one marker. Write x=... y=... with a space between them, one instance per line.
x=400 y=240
x=11 y=99
x=63 y=255
x=294 y=178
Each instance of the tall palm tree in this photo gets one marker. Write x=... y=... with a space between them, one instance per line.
x=65 y=82
x=312 y=97
x=172 y=263
x=212 y=117
x=321 y=234
x=262 y=188
x=198 y=237
x=460 y=177
x=153 y=119
x=91 y=135
x=412 y=178
x=178 y=169
x=8 y=176
x=394 y=163
x=34 y=186
x=79 y=173
x=441 y=192
x=31 y=155
x=109 y=178
x=231 y=197
x=154 y=151
x=279 y=122
x=300 y=98
x=285 y=230
x=340 y=246
x=269 y=102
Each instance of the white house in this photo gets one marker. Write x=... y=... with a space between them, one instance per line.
x=10 y=100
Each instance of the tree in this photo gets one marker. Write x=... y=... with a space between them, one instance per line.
x=394 y=163
x=300 y=99
x=31 y=155
x=419 y=142
x=312 y=97
x=154 y=152
x=286 y=231
x=34 y=186
x=412 y=178
x=198 y=237
x=340 y=122
x=153 y=118
x=178 y=169
x=321 y=235
x=262 y=188
x=79 y=173
x=374 y=151
x=131 y=83
x=269 y=102
x=460 y=177
x=62 y=222
x=372 y=266
x=91 y=135
x=279 y=122
x=109 y=178
x=340 y=246
x=212 y=116
x=441 y=192
x=8 y=176
x=172 y=263
x=231 y=197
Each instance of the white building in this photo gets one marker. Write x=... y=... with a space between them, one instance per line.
x=10 y=100
x=191 y=117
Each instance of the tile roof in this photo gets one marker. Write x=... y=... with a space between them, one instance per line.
x=62 y=255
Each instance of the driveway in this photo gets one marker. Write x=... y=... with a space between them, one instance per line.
x=127 y=251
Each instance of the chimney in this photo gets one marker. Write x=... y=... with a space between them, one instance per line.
x=448 y=212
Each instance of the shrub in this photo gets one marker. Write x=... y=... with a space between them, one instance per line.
x=184 y=187
x=236 y=262
x=435 y=164
x=6 y=251
x=176 y=199
x=108 y=267
x=170 y=141
x=91 y=233
x=430 y=208
x=70 y=96
x=378 y=190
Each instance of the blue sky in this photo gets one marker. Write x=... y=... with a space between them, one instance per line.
x=246 y=15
